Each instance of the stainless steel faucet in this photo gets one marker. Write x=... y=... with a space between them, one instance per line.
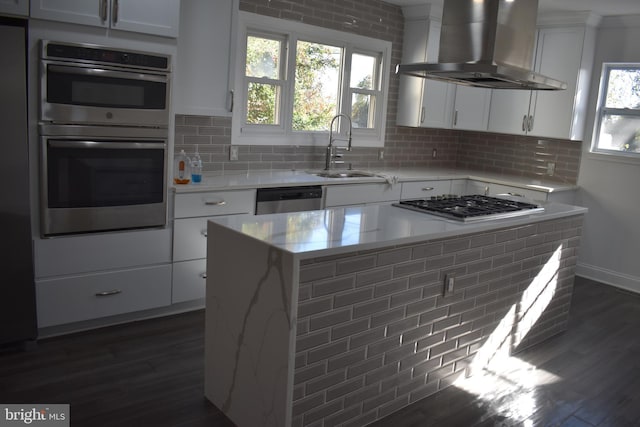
x=331 y=155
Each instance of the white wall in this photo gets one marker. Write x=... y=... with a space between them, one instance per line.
x=610 y=187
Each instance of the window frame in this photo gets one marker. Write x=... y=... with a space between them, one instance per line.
x=291 y=32
x=602 y=111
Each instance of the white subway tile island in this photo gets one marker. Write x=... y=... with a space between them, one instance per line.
x=342 y=316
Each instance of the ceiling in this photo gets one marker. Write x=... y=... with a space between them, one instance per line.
x=599 y=7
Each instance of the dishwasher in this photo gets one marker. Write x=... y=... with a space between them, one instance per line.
x=288 y=199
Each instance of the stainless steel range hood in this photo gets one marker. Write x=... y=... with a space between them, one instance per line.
x=486 y=43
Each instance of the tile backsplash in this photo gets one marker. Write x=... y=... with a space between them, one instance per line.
x=404 y=147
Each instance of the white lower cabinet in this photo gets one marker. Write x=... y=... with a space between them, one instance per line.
x=190 y=278
x=491 y=189
x=361 y=194
x=76 y=298
x=192 y=211
x=424 y=189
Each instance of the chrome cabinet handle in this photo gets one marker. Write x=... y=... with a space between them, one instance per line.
x=486 y=190
x=103 y=10
x=114 y=12
x=428 y=189
x=530 y=126
x=108 y=293
x=204 y=233
x=215 y=203
x=455 y=117
x=422 y=115
x=204 y=275
x=524 y=123
x=231 y=99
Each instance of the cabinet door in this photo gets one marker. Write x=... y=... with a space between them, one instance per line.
x=414 y=49
x=14 y=7
x=201 y=86
x=158 y=17
x=509 y=111
x=189 y=280
x=471 y=111
x=359 y=194
x=437 y=104
x=86 y=12
x=559 y=56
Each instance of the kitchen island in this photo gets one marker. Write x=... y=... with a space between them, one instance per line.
x=346 y=315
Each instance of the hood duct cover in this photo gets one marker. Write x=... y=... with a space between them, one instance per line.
x=486 y=43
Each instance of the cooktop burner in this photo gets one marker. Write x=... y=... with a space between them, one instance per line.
x=470 y=208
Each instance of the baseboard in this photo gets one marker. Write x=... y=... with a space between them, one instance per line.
x=609 y=277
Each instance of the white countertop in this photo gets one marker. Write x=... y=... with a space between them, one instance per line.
x=341 y=230
x=277 y=178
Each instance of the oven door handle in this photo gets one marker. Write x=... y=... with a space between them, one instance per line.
x=101 y=144
x=101 y=72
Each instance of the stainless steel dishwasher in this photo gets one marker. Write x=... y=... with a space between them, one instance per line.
x=288 y=199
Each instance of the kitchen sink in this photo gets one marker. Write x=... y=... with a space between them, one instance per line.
x=344 y=174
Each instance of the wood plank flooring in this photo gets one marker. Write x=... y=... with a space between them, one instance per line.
x=150 y=373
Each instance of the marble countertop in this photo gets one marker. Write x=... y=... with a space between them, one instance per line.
x=341 y=230
x=277 y=178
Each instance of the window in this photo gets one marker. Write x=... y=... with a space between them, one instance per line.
x=293 y=78
x=618 y=116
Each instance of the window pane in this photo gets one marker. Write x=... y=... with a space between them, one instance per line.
x=262 y=104
x=263 y=57
x=362 y=107
x=623 y=90
x=363 y=71
x=316 y=86
x=620 y=133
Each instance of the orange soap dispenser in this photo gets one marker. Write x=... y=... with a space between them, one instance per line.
x=181 y=169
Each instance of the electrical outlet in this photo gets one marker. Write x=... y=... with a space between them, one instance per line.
x=449 y=284
x=381 y=154
x=434 y=153
x=233 y=153
x=551 y=168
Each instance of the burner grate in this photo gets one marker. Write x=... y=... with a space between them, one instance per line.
x=470 y=208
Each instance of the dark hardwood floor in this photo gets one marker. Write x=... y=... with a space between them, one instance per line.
x=150 y=373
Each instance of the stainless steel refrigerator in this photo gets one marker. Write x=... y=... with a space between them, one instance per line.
x=17 y=297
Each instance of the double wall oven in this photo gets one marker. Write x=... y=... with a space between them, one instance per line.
x=104 y=116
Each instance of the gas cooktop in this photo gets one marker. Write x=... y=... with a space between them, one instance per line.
x=470 y=208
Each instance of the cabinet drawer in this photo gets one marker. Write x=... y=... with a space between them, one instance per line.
x=190 y=238
x=422 y=189
x=345 y=195
x=214 y=203
x=101 y=251
x=73 y=299
x=189 y=280
x=479 y=187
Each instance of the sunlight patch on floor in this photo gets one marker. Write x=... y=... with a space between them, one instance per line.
x=501 y=380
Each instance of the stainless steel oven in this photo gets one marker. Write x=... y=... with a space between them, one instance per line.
x=104 y=118
x=102 y=179
x=88 y=84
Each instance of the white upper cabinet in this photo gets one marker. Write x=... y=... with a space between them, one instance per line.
x=14 y=7
x=471 y=108
x=565 y=52
x=156 y=17
x=201 y=83
x=423 y=103
x=430 y=103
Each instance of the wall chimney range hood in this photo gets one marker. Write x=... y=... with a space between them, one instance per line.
x=486 y=43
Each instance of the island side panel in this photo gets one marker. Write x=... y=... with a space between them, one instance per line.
x=375 y=332
x=249 y=328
